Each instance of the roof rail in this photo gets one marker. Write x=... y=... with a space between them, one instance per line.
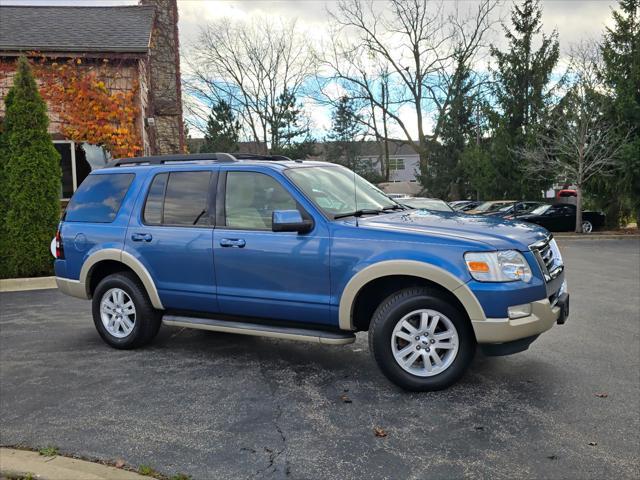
x=161 y=159
x=194 y=157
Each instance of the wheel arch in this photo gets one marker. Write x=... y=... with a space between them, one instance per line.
x=109 y=260
x=405 y=269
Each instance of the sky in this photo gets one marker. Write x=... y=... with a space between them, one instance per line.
x=575 y=20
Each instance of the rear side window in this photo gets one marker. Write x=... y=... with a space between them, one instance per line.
x=178 y=198
x=98 y=198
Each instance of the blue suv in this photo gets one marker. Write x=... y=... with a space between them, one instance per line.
x=308 y=251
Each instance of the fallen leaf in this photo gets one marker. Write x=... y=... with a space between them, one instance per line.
x=119 y=463
x=379 y=432
x=593 y=444
x=552 y=457
x=345 y=398
x=479 y=427
x=601 y=394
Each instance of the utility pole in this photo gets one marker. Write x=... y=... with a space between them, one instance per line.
x=385 y=105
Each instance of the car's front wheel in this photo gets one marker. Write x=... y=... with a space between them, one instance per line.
x=420 y=341
x=123 y=313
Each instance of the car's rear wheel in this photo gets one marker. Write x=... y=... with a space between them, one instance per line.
x=123 y=313
x=420 y=341
x=587 y=226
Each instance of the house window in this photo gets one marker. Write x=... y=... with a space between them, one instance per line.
x=77 y=160
x=396 y=164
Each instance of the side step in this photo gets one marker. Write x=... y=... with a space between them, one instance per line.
x=256 y=329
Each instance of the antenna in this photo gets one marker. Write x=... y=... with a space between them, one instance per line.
x=355 y=196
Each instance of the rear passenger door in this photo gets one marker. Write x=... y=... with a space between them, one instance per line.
x=171 y=233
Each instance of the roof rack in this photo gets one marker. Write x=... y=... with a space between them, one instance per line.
x=194 y=157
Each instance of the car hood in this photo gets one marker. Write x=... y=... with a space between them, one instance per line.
x=495 y=232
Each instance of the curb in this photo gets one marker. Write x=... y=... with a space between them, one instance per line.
x=22 y=463
x=22 y=284
x=597 y=237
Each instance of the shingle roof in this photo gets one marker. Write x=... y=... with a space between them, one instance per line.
x=76 y=29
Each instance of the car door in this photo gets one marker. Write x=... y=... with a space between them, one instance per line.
x=261 y=273
x=172 y=236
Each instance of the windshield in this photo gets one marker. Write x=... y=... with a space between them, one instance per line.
x=540 y=210
x=332 y=190
x=428 y=204
x=491 y=206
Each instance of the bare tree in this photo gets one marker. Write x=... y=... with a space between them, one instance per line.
x=252 y=66
x=580 y=142
x=414 y=45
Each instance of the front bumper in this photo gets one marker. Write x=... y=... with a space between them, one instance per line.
x=501 y=330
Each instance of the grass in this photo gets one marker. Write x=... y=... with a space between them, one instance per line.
x=180 y=476
x=49 y=451
x=147 y=470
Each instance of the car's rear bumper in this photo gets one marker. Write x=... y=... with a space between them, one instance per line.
x=501 y=330
x=75 y=288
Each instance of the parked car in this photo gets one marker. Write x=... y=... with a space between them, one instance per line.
x=434 y=204
x=306 y=251
x=488 y=207
x=516 y=210
x=464 y=205
x=561 y=217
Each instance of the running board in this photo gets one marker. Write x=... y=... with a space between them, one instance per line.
x=256 y=329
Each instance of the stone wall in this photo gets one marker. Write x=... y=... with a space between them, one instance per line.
x=165 y=98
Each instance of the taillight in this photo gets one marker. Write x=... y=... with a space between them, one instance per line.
x=59 y=247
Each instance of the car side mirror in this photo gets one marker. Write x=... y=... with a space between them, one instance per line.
x=289 y=221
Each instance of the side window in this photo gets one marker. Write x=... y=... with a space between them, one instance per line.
x=251 y=198
x=98 y=198
x=178 y=198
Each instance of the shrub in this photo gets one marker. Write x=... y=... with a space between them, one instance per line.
x=29 y=180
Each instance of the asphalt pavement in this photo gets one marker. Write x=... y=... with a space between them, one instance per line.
x=214 y=405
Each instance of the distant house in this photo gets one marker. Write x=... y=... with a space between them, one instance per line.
x=134 y=50
x=404 y=162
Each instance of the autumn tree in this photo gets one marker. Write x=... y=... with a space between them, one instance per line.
x=30 y=180
x=223 y=130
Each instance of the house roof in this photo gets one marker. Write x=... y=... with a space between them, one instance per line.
x=76 y=29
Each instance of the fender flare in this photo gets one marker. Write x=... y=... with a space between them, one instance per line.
x=126 y=259
x=408 y=268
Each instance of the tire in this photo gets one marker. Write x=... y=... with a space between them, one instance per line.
x=410 y=305
x=587 y=226
x=145 y=319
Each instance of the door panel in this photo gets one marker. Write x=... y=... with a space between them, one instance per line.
x=280 y=275
x=173 y=239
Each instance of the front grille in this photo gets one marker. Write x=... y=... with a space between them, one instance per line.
x=548 y=257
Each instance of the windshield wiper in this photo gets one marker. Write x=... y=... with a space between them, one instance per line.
x=397 y=206
x=358 y=213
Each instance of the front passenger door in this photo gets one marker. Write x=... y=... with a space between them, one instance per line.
x=261 y=273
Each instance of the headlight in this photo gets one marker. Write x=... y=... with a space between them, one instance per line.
x=502 y=266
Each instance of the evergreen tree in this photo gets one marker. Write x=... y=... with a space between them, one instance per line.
x=30 y=180
x=621 y=55
x=521 y=77
x=291 y=134
x=345 y=134
x=223 y=130
x=445 y=177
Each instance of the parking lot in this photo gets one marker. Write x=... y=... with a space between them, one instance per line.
x=215 y=405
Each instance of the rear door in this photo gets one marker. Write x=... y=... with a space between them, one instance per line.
x=171 y=233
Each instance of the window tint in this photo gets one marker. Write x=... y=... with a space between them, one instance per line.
x=186 y=199
x=155 y=200
x=99 y=197
x=251 y=198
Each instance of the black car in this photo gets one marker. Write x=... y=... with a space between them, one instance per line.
x=516 y=210
x=561 y=217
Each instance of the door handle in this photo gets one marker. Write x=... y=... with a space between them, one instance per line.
x=232 y=242
x=141 y=237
